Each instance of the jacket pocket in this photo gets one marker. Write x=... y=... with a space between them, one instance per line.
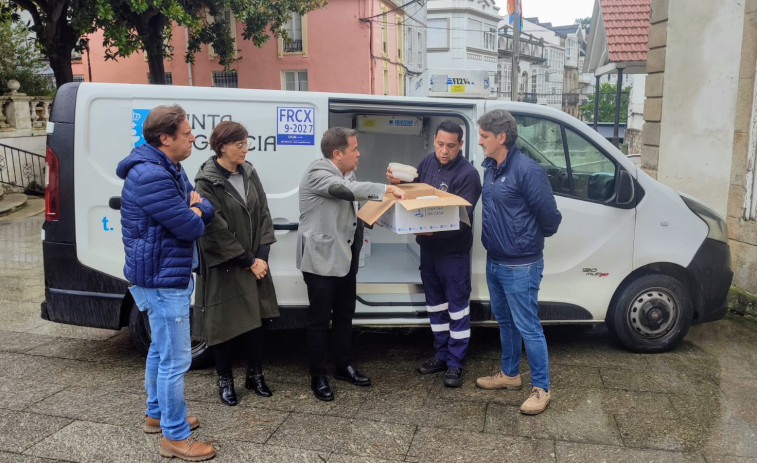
x=524 y=238
x=317 y=249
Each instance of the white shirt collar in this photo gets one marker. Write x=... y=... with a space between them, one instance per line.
x=345 y=176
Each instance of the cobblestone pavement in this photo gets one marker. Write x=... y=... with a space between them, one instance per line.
x=75 y=394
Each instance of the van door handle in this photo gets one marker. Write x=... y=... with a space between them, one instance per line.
x=286 y=226
x=115 y=202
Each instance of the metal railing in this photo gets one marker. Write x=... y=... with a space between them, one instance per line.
x=570 y=98
x=22 y=168
x=528 y=97
x=292 y=46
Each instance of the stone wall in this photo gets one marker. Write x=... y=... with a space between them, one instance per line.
x=743 y=232
x=650 y=143
x=718 y=97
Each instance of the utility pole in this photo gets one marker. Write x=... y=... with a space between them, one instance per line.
x=516 y=53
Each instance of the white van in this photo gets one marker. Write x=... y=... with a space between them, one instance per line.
x=630 y=251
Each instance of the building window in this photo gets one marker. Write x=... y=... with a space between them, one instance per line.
x=386 y=81
x=293 y=27
x=169 y=78
x=400 y=83
x=481 y=35
x=438 y=33
x=384 y=31
x=225 y=16
x=475 y=39
x=490 y=39
x=225 y=79
x=410 y=49
x=295 y=81
x=420 y=49
x=400 y=39
x=78 y=78
x=506 y=79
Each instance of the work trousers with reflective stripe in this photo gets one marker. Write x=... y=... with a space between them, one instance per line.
x=446 y=282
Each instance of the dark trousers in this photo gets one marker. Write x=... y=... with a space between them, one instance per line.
x=331 y=299
x=249 y=343
x=446 y=282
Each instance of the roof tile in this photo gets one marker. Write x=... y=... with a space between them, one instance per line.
x=626 y=28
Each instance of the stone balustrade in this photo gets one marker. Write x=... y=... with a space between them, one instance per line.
x=23 y=115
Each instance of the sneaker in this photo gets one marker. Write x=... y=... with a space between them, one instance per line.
x=536 y=403
x=432 y=365
x=189 y=449
x=453 y=377
x=152 y=425
x=499 y=380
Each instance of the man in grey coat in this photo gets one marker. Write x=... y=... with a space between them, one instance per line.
x=329 y=239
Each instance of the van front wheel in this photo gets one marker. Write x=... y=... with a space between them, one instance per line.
x=651 y=313
x=139 y=331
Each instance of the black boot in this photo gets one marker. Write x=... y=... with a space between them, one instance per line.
x=226 y=390
x=256 y=382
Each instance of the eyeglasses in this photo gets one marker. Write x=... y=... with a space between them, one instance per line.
x=242 y=145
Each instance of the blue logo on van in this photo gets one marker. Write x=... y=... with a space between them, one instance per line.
x=138 y=117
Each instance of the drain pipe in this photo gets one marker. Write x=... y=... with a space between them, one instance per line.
x=189 y=64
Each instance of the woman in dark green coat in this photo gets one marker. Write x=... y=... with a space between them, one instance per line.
x=234 y=291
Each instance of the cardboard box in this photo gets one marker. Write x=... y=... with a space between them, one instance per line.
x=425 y=209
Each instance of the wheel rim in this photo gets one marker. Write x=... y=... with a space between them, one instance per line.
x=653 y=312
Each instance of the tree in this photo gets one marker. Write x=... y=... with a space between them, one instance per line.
x=131 y=25
x=58 y=25
x=20 y=60
x=585 y=22
x=607 y=93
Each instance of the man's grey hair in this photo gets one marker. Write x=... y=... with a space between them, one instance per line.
x=498 y=121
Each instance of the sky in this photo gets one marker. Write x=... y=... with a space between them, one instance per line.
x=558 y=12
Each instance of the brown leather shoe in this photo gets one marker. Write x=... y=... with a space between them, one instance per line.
x=499 y=380
x=536 y=403
x=189 y=449
x=152 y=425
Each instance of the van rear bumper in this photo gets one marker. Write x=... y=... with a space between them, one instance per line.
x=713 y=275
x=79 y=295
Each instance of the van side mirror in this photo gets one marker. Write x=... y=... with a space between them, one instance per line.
x=626 y=189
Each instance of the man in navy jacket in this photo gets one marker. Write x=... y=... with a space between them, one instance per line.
x=161 y=217
x=445 y=256
x=519 y=211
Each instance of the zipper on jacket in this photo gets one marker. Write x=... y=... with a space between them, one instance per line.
x=249 y=216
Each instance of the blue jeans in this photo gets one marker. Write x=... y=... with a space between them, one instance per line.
x=513 y=292
x=169 y=355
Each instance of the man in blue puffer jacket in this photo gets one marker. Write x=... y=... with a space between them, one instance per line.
x=519 y=211
x=161 y=217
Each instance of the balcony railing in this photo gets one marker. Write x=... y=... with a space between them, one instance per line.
x=529 y=97
x=570 y=99
x=292 y=46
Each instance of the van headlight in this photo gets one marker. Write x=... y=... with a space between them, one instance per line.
x=718 y=227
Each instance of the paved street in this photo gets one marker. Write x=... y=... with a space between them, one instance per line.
x=75 y=394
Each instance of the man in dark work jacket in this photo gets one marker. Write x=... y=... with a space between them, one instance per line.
x=445 y=256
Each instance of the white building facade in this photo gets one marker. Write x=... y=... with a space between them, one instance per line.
x=461 y=48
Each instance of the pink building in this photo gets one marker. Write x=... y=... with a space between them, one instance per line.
x=333 y=49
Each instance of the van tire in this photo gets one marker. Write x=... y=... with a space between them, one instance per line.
x=139 y=332
x=667 y=308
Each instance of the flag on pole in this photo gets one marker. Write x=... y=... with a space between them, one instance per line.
x=511 y=12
